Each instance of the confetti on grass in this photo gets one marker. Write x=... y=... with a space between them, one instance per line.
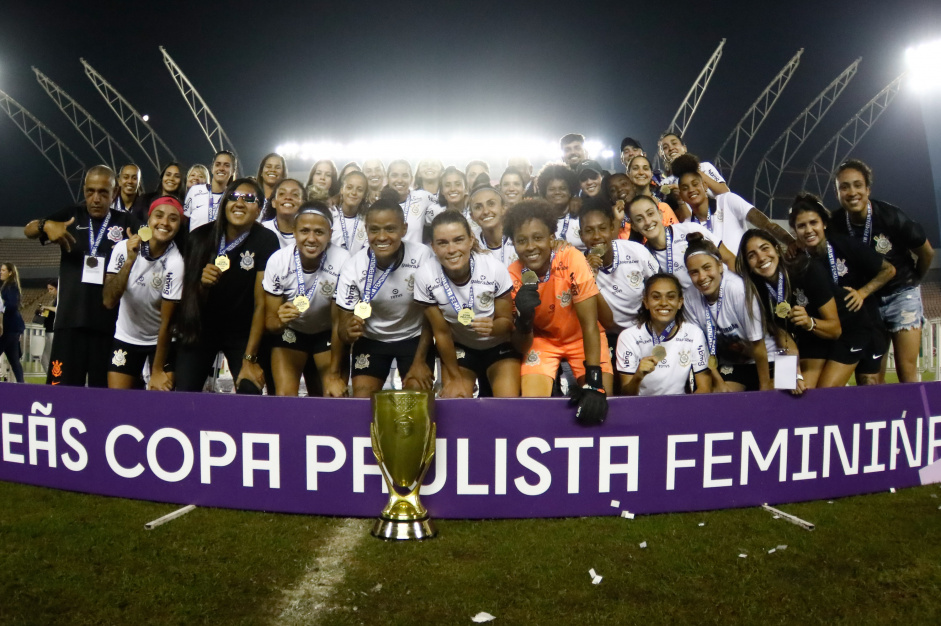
x=627 y=515
x=482 y=617
x=702 y=523
x=782 y=547
x=772 y=550
x=891 y=489
x=595 y=578
x=643 y=544
x=743 y=556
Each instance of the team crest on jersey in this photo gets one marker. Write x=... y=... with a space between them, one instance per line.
x=841 y=267
x=800 y=298
x=115 y=234
x=883 y=245
x=533 y=358
x=485 y=299
x=565 y=298
x=156 y=280
x=362 y=362
x=681 y=246
x=288 y=336
x=120 y=358
x=327 y=288
x=459 y=353
x=725 y=370
x=248 y=260
x=635 y=279
x=684 y=358
x=410 y=283
x=360 y=234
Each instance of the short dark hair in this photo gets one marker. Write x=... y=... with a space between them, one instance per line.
x=643 y=315
x=596 y=204
x=388 y=201
x=526 y=210
x=571 y=138
x=556 y=171
x=859 y=166
x=684 y=164
x=805 y=202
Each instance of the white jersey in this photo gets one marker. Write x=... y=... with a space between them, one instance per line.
x=420 y=207
x=730 y=220
x=395 y=314
x=568 y=229
x=622 y=284
x=197 y=205
x=678 y=249
x=349 y=233
x=150 y=282
x=686 y=350
x=506 y=253
x=706 y=168
x=490 y=280
x=285 y=239
x=281 y=280
x=736 y=322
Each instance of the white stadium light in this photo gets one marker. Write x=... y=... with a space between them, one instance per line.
x=924 y=65
x=145 y=117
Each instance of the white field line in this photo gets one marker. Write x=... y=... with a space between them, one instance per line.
x=306 y=601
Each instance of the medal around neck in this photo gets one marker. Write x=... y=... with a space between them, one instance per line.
x=465 y=316
x=91 y=261
x=782 y=309
x=222 y=262
x=529 y=278
x=145 y=233
x=301 y=302
x=659 y=353
x=362 y=310
x=598 y=250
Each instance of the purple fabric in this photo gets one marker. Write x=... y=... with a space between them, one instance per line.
x=471 y=436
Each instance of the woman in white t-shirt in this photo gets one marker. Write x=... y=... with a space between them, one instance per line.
x=466 y=296
x=287 y=196
x=418 y=206
x=322 y=180
x=349 y=230
x=145 y=276
x=487 y=208
x=656 y=355
x=378 y=313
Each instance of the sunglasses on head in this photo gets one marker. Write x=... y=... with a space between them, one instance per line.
x=249 y=198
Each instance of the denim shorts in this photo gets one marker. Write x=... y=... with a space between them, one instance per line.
x=902 y=310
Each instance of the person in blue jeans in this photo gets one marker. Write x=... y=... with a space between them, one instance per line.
x=13 y=325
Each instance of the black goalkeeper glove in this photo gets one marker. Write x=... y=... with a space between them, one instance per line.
x=591 y=399
x=527 y=299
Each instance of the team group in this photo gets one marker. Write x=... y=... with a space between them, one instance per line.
x=634 y=283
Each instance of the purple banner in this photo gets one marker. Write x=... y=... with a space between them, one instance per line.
x=495 y=458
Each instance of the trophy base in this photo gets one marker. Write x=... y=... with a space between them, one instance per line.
x=397 y=530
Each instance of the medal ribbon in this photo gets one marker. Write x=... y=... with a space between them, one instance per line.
x=299 y=274
x=565 y=225
x=450 y=292
x=867 y=231
x=779 y=296
x=832 y=259
x=712 y=323
x=669 y=235
x=94 y=243
x=658 y=339
x=373 y=285
x=347 y=240
x=614 y=262
x=145 y=252
x=213 y=208
x=225 y=249
x=549 y=273
x=708 y=223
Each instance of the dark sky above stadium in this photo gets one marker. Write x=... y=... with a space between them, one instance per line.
x=273 y=72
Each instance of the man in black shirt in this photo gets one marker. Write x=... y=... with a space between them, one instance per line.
x=84 y=328
x=903 y=243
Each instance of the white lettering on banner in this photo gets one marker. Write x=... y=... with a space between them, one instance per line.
x=933 y=441
x=672 y=462
x=574 y=445
x=314 y=466
x=831 y=434
x=805 y=473
x=82 y=462
x=441 y=469
x=750 y=446
x=36 y=444
x=540 y=470
x=874 y=465
x=117 y=468
x=360 y=468
x=898 y=428
x=207 y=460
x=250 y=464
x=710 y=460
x=499 y=467
x=606 y=469
x=185 y=468
x=464 y=487
x=10 y=438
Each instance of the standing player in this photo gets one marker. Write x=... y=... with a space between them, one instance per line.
x=641 y=177
x=418 y=206
x=512 y=186
x=287 y=196
x=271 y=171
x=903 y=243
x=349 y=229
x=130 y=186
x=558 y=185
x=488 y=209
x=573 y=149
x=202 y=201
x=375 y=173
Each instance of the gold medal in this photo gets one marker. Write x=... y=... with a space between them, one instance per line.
x=713 y=361
x=302 y=302
x=222 y=262
x=782 y=309
x=659 y=353
x=530 y=278
x=362 y=310
x=145 y=233
x=465 y=316
x=598 y=250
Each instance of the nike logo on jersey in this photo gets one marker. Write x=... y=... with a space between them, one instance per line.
x=855 y=349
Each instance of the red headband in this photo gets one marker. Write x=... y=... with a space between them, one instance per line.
x=166 y=200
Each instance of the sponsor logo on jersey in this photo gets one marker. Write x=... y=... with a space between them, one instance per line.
x=167 y=283
x=120 y=262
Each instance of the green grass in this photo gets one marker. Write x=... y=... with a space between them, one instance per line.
x=78 y=559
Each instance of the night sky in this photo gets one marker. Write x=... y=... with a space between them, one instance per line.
x=274 y=72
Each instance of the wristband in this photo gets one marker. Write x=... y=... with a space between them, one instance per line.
x=813 y=324
x=43 y=237
x=251 y=358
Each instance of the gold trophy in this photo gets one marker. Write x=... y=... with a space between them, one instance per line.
x=403 y=440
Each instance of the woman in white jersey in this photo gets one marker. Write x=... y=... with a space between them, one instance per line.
x=196 y=175
x=512 y=186
x=656 y=355
x=427 y=175
x=286 y=198
x=730 y=318
x=487 y=209
x=672 y=147
x=667 y=244
x=322 y=180
x=452 y=190
x=145 y=277
x=418 y=206
x=558 y=185
x=349 y=229
x=467 y=301
x=300 y=283
x=271 y=171
x=378 y=313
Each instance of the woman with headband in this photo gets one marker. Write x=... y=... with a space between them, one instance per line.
x=378 y=313
x=466 y=297
x=145 y=277
x=300 y=282
x=223 y=307
x=349 y=229
x=286 y=198
x=656 y=355
x=729 y=318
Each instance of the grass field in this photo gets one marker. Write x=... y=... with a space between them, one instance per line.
x=79 y=559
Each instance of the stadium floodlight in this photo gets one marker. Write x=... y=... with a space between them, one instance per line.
x=924 y=63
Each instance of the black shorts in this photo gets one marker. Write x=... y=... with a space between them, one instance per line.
x=870 y=359
x=291 y=339
x=613 y=346
x=374 y=358
x=479 y=361
x=77 y=354
x=745 y=374
x=129 y=358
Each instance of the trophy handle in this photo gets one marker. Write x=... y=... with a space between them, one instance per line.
x=429 y=453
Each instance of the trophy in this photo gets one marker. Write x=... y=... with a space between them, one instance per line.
x=403 y=440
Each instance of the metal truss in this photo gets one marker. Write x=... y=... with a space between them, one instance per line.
x=771 y=167
x=65 y=162
x=819 y=176
x=145 y=136
x=207 y=121
x=738 y=140
x=88 y=127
